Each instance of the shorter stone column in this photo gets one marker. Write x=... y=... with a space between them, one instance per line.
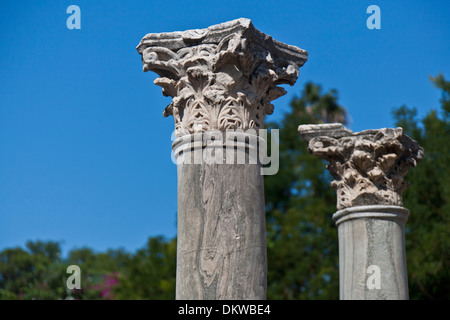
x=368 y=168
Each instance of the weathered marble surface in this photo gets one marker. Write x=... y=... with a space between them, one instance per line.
x=368 y=166
x=222 y=77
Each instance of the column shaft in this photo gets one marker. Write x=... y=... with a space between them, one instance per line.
x=372 y=261
x=221 y=251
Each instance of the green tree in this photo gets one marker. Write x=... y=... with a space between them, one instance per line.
x=427 y=197
x=302 y=238
x=99 y=272
x=150 y=273
x=35 y=273
x=39 y=272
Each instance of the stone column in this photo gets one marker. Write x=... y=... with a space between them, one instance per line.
x=368 y=169
x=222 y=80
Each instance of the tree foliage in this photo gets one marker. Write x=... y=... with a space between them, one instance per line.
x=302 y=238
x=150 y=273
x=35 y=273
x=427 y=197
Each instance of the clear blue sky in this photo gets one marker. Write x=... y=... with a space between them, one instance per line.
x=84 y=149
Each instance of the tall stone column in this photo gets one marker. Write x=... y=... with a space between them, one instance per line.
x=368 y=169
x=222 y=80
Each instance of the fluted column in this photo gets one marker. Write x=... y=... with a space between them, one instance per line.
x=222 y=80
x=368 y=169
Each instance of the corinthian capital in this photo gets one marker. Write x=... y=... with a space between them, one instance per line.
x=219 y=78
x=368 y=166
